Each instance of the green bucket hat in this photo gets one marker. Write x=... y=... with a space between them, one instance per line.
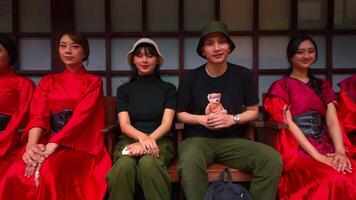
x=214 y=27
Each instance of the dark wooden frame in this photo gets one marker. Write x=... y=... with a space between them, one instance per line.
x=63 y=19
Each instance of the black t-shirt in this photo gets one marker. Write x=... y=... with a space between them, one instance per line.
x=145 y=99
x=237 y=87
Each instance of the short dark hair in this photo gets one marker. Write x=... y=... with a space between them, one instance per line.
x=79 y=39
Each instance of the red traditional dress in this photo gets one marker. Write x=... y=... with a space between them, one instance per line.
x=77 y=169
x=347 y=105
x=15 y=98
x=304 y=177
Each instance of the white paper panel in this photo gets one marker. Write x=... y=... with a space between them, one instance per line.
x=191 y=59
x=344 y=51
x=35 y=54
x=272 y=52
x=119 y=49
x=242 y=55
x=170 y=51
x=97 y=55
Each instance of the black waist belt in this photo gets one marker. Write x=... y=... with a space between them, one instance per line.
x=59 y=119
x=311 y=124
x=4 y=120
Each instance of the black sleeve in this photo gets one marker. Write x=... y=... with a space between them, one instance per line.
x=250 y=89
x=122 y=99
x=184 y=94
x=171 y=97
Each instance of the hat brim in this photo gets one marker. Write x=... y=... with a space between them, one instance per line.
x=149 y=41
x=201 y=43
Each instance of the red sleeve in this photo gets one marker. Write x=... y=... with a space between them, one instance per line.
x=327 y=93
x=347 y=111
x=20 y=118
x=83 y=130
x=39 y=112
x=280 y=89
x=286 y=144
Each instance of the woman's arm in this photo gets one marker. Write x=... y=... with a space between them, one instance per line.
x=303 y=141
x=127 y=128
x=34 y=151
x=340 y=160
x=147 y=143
x=188 y=118
x=165 y=126
x=220 y=120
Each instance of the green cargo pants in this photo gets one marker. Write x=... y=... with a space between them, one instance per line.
x=149 y=172
x=197 y=153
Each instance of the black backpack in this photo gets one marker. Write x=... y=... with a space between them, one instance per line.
x=221 y=190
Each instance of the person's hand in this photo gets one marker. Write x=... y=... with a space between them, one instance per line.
x=324 y=159
x=50 y=149
x=30 y=170
x=340 y=162
x=34 y=154
x=203 y=120
x=149 y=144
x=136 y=149
x=220 y=120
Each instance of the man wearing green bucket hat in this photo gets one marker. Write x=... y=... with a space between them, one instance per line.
x=216 y=101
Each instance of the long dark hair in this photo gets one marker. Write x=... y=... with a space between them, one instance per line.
x=149 y=49
x=292 y=49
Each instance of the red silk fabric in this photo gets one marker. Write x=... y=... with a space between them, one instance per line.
x=303 y=177
x=347 y=104
x=77 y=169
x=15 y=98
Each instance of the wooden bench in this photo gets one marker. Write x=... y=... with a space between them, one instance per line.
x=266 y=133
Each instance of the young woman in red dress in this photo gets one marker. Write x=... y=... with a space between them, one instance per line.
x=317 y=156
x=15 y=98
x=65 y=155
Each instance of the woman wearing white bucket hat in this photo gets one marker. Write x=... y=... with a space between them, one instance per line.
x=146 y=107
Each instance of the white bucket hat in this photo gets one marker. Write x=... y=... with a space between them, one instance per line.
x=145 y=40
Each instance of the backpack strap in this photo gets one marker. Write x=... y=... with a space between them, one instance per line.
x=228 y=175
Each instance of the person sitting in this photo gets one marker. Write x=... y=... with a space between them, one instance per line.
x=316 y=158
x=65 y=156
x=15 y=98
x=146 y=108
x=217 y=135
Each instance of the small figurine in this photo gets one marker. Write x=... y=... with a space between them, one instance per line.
x=214 y=104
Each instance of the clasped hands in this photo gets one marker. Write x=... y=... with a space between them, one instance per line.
x=145 y=145
x=35 y=155
x=340 y=162
x=216 y=120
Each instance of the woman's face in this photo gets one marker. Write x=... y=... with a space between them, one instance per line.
x=305 y=55
x=4 y=58
x=71 y=53
x=145 y=62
